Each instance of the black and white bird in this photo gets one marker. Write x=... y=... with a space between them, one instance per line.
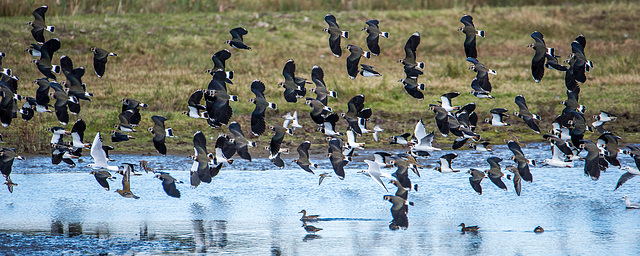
x=594 y=162
x=356 y=114
x=539 y=58
x=445 y=101
x=134 y=105
x=399 y=211
x=374 y=36
x=476 y=179
x=42 y=95
x=169 y=184
x=630 y=171
x=293 y=86
x=608 y=142
x=337 y=158
x=494 y=173
x=100 y=60
x=410 y=49
x=258 y=124
x=159 y=134
x=200 y=169
x=579 y=62
x=303 y=157
x=77 y=135
x=601 y=119
x=470 y=36
x=442 y=119
x=292 y=119
x=74 y=79
x=521 y=161
x=224 y=150
x=237 y=40
x=319 y=111
x=45 y=52
x=480 y=147
x=276 y=141
x=58 y=132
x=481 y=81
x=39 y=25
x=354 y=60
x=317 y=77
x=219 y=58
x=335 y=34
x=375 y=173
x=117 y=136
x=424 y=141
x=61 y=104
x=240 y=142
x=124 y=121
x=99 y=155
x=368 y=71
x=497 y=115
x=103 y=178
x=445 y=163
x=196 y=110
x=524 y=113
x=329 y=126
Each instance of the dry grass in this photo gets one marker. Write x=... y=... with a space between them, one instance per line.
x=163 y=59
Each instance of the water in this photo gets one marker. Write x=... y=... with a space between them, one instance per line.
x=252 y=209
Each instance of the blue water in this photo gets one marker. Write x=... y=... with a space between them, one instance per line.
x=252 y=209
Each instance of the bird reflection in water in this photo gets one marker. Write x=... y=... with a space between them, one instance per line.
x=74 y=228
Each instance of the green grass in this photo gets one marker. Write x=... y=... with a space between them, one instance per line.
x=163 y=58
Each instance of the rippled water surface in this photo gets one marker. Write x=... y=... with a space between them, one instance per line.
x=252 y=208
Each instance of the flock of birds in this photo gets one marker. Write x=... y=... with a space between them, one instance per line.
x=566 y=136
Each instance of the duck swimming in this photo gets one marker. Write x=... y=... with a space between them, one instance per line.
x=308 y=217
x=464 y=229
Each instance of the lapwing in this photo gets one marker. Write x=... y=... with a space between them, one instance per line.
x=237 y=40
x=241 y=143
x=317 y=77
x=399 y=210
x=410 y=48
x=100 y=60
x=354 y=59
x=540 y=56
x=169 y=184
x=303 y=157
x=497 y=116
x=470 y=36
x=258 y=124
x=524 y=113
x=39 y=25
x=335 y=34
x=475 y=179
x=445 y=163
x=337 y=158
x=374 y=35
x=494 y=173
x=159 y=134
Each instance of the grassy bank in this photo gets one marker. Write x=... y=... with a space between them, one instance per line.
x=162 y=58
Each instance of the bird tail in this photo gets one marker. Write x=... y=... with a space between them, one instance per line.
x=333 y=94
x=551 y=51
x=251 y=144
x=493 y=72
x=230 y=74
x=345 y=34
x=367 y=55
x=480 y=33
x=420 y=65
x=6 y=71
x=421 y=86
x=384 y=34
x=588 y=66
x=233 y=98
x=273 y=106
x=55 y=69
x=51 y=28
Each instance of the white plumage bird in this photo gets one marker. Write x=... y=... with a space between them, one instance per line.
x=99 y=155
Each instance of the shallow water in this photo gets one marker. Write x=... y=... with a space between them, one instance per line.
x=252 y=208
